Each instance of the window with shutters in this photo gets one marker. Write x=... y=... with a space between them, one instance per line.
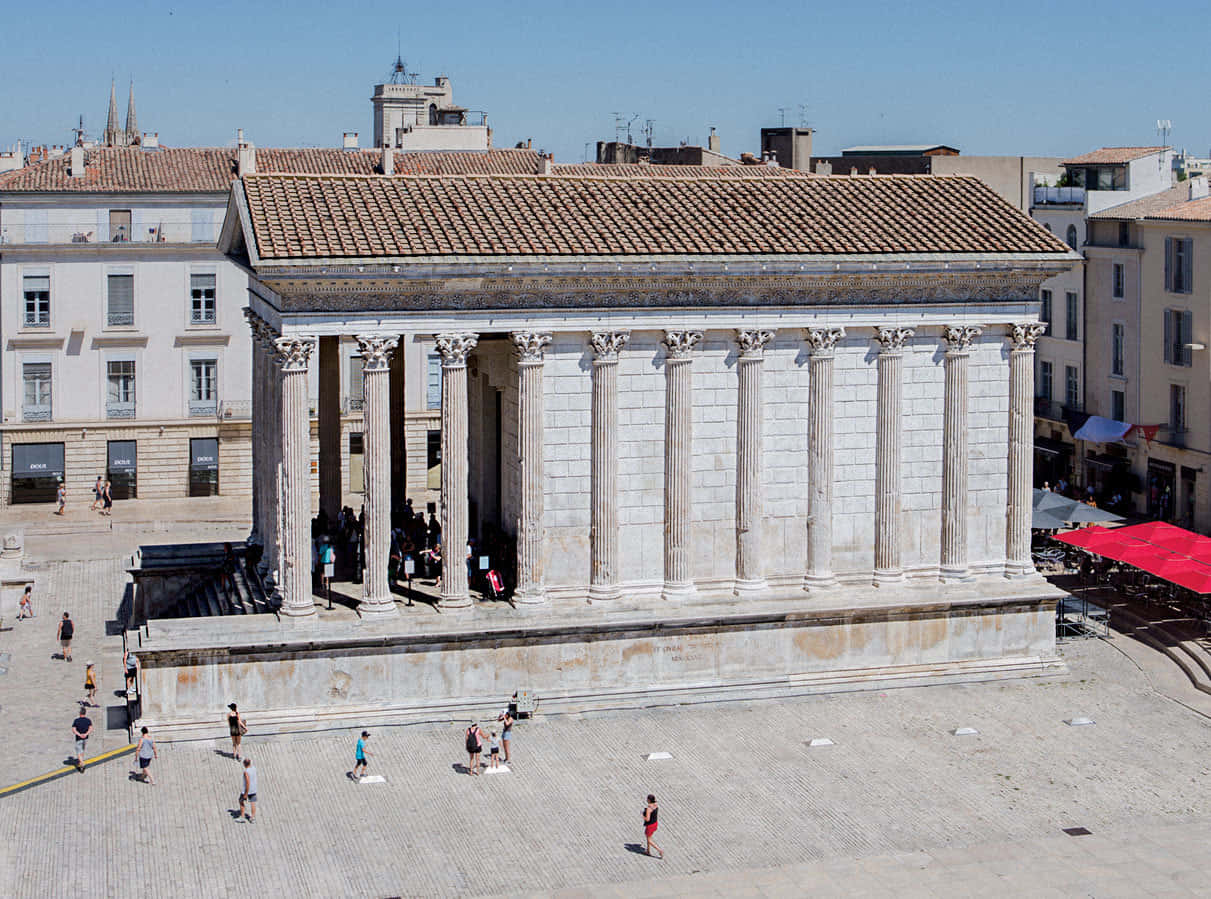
x=1118 y=340
x=202 y=308
x=1118 y=405
x=1044 y=387
x=37 y=400
x=1070 y=236
x=1178 y=336
x=1045 y=310
x=1070 y=329
x=1117 y=279
x=1072 y=387
x=1177 y=409
x=120 y=301
x=356 y=384
x=433 y=385
x=203 y=387
x=120 y=389
x=37 y=301
x=1179 y=265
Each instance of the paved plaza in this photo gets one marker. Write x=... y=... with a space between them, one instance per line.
x=897 y=806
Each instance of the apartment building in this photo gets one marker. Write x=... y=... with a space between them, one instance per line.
x=1095 y=181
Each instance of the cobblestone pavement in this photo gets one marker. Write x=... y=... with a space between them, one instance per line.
x=897 y=806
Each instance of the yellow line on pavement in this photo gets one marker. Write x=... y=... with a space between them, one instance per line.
x=66 y=769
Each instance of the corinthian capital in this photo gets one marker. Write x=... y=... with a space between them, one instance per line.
x=294 y=352
x=376 y=351
x=823 y=341
x=958 y=338
x=530 y=344
x=608 y=344
x=1023 y=335
x=892 y=340
x=752 y=343
x=455 y=347
x=681 y=343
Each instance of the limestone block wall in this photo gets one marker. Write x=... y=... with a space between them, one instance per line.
x=921 y=453
x=567 y=402
x=715 y=396
x=854 y=384
x=988 y=437
x=785 y=404
x=641 y=459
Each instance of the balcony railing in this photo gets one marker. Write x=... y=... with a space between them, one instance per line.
x=354 y=404
x=35 y=322
x=36 y=413
x=119 y=319
x=119 y=410
x=1055 y=196
x=1053 y=411
x=202 y=317
x=1174 y=437
x=203 y=408
x=157 y=231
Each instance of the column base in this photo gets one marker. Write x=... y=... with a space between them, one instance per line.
x=604 y=592
x=297 y=611
x=377 y=608
x=886 y=577
x=818 y=581
x=750 y=588
x=530 y=595
x=678 y=592
x=454 y=601
x=1018 y=570
x=955 y=575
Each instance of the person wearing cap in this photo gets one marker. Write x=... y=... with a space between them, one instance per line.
x=359 y=760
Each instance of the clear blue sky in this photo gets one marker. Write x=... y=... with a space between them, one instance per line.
x=990 y=78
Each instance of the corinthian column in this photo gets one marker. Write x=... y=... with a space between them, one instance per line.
x=1021 y=447
x=887 y=454
x=822 y=342
x=256 y=413
x=376 y=406
x=294 y=354
x=530 y=581
x=958 y=340
x=750 y=497
x=603 y=527
x=454 y=349
x=678 y=464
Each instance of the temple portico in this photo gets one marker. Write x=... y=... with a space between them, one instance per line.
x=729 y=435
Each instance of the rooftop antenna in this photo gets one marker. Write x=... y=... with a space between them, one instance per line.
x=630 y=122
x=802 y=115
x=782 y=116
x=649 y=126
x=79 y=131
x=1163 y=127
x=617 y=127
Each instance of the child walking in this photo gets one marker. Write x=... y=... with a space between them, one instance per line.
x=359 y=759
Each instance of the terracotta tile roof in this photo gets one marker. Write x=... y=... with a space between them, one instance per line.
x=643 y=170
x=212 y=169
x=1145 y=206
x=1190 y=211
x=298 y=217
x=1112 y=156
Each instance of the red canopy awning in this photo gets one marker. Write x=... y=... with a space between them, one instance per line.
x=1175 y=554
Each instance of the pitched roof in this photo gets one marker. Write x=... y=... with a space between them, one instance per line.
x=212 y=169
x=301 y=217
x=1145 y=206
x=1190 y=211
x=1112 y=156
x=643 y=170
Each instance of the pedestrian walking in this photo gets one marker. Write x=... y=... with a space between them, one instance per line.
x=26 y=609
x=107 y=499
x=90 y=684
x=146 y=751
x=493 y=750
x=81 y=729
x=475 y=744
x=359 y=757
x=248 y=786
x=97 y=494
x=327 y=564
x=132 y=669
x=506 y=734
x=61 y=497
x=651 y=812
x=237 y=728
x=67 y=630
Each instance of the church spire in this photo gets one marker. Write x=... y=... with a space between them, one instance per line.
x=112 y=133
x=132 y=122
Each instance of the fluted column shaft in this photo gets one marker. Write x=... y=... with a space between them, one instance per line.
x=255 y=415
x=273 y=459
x=823 y=343
x=887 y=454
x=1022 y=338
x=603 y=527
x=678 y=464
x=376 y=409
x=455 y=592
x=531 y=586
x=330 y=426
x=954 y=452
x=750 y=494
x=295 y=513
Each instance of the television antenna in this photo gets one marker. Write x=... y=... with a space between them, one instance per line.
x=802 y=115
x=649 y=126
x=630 y=122
x=782 y=116
x=79 y=131
x=617 y=127
x=1163 y=127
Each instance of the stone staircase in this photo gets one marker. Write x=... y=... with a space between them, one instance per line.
x=1180 y=639
x=212 y=594
x=188 y=581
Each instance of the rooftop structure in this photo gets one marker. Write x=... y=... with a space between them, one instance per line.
x=413 y=116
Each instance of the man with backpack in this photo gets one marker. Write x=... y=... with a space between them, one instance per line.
x=475 y=740
x=67 y=630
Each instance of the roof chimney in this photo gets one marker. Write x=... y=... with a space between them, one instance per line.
x=246 y=161
x=712 y=142
x=151 y=141
x=1198 y=187
x=388 y=165
x=76 y=166
x=349 y=140
x=872 y=171
x=546 y=165
x=824 y=168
